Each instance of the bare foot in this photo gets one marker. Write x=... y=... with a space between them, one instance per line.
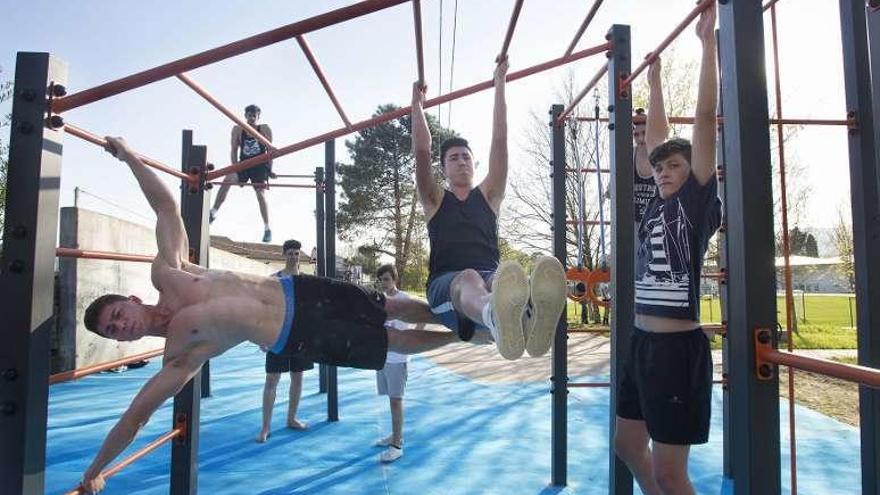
x=263 y=436
x=294 y=424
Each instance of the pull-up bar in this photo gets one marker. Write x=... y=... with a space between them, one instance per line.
x=304 y=45
x=584 y=25
x=850 y=122
x=233 y=49
x=580 y=96
x=417 y=23
x=225 y=111
x=510 y=27
x=364 y=124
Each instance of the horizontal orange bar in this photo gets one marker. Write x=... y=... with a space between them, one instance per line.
x=76 y=374
x=267 y=186
x=102 y=255
x=864 y=375
x=690 y=120
x=155 y=444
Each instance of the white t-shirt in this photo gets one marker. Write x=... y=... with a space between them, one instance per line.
x=394 y=357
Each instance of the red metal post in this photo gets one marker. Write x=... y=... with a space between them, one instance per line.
x=320 y=73
x=225 y=111
x=220 y=53
x=292 y=148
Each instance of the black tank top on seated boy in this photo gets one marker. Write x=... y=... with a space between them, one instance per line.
x=672 y=241
x=463 y=234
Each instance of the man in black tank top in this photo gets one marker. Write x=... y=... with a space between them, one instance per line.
x=467 y=287
x=244 y=146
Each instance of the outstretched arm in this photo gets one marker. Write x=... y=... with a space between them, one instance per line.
x=174 y=375
x=170 y=235
x=234 y=143
x=495 y=183
x=429 y=192
x=705 y=123
x=657 y=129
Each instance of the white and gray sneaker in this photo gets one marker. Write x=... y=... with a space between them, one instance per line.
x=392 y=454
x=547 y=295
x=503 y=315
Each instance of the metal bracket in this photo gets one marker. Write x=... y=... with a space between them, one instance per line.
x=764 y=370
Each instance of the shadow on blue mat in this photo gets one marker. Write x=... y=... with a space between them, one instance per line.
x=462 y=437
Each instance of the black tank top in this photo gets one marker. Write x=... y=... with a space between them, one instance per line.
x=250 y=146
x=463 y=234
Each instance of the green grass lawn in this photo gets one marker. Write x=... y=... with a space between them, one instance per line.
x=827 y=324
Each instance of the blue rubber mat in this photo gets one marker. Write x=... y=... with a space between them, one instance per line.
x=462 y=437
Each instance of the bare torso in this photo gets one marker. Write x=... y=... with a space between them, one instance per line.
x=660 y=324
x=217 y=309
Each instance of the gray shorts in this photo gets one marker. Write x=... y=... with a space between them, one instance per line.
x=391 y=380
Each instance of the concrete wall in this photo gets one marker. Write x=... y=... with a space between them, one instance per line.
x=81 y=281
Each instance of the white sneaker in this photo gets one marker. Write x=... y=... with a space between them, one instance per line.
x=547 y=288
x=392 y=454
x=383 y=442
x=510 y=293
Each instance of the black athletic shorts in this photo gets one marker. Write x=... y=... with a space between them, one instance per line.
x=258 y=174
x=667 y=382
x=276 y=363
x=337 y=323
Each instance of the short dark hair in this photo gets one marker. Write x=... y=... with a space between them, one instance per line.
x=94 y=310
x=251 y=108
x=669 y=148
x=452 y=143
x=389 y=268
x=639 y=117
x=290 y=244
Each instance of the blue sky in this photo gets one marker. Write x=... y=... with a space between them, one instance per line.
x=370 y=61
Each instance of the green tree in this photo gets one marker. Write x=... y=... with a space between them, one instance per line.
x=800 y=243
x=5 y=94
x=842 y=237
x=379 y=204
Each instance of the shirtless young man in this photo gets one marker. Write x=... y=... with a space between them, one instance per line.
x=203 y=313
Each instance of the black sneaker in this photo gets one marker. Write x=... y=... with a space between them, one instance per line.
x=466 y=328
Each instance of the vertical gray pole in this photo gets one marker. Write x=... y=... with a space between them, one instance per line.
x=330 y=235
x=320 y=268
x=187 y=403
x=559 y=380
x=859 y=47
x=622 y=270
x=754 y=402
x=27 y=273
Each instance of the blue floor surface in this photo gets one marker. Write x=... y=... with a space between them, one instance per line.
x=462 y=437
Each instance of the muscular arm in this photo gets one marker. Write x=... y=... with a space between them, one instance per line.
x=495 y=183
x=703 y=154
x=429 y=191
x=170 y=235
x=175 y=373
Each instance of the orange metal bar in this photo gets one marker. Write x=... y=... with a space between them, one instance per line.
x=580 y=96
x=155 y=444
x=67 y=376
x=102 y=255
x=220 y=53
x=786 y=246
x=649 y=59
x=201 y=91
x=607 y=384
x=510 y=27
x=690 y=120
x=869 y=377
x=295 y=176
x=588 y=170
x=769 y=4
x=292 y=148
x=94 y=139
x=320 y=73
x=417 y=23
x=267 y=185
x=583 y=28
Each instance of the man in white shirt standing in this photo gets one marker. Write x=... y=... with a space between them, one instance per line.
x=391 y=380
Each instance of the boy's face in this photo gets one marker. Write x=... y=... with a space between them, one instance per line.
x=388 y=282
x=291 y=256
x=639 y=134
x=252 y=117
x=670 y=174
x=458 y=166
x=124 y=320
